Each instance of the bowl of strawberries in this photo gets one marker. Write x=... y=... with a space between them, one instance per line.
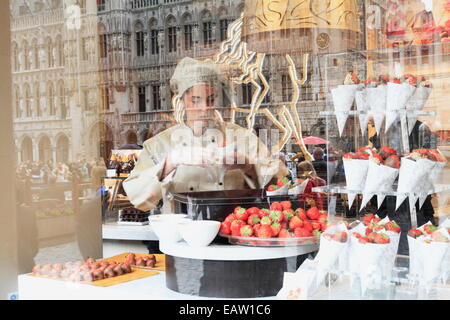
x=279 y=225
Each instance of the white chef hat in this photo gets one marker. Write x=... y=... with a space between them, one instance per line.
x=190 y=72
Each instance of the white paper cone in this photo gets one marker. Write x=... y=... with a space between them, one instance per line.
x=343 y=97
x=355 y=176
x=379 y=179
x=370 y=256
x=415 y=266
x=298 y=189
x=377 y=102
x=416 y=102
x=412 y=176
x=396 y=97
x=380 y=199
x=279 y=192
x=432 y=255
x=363 y=106
x=433 y=173
x=327 y=256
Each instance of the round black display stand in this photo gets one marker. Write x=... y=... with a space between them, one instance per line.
x=228 y=278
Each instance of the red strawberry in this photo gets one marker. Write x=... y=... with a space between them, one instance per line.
x=236 y=226
x=377 y=157
x=429 y=228
x=371 y=236
x=302 y=233
x=282 y=182
x=252 y=210
x=225 y=228
x=396 y=80
x=276 y=228
x=266 y=221
x=381 y=238
x=284 y=225
x=276 y=216
x=286 y=205
x=392 y=226
x=272 y=188
x=307 y=225
x=253 y=219
x=284 y=234
x=323 y=226
x=367 y=218
x=350 y=156
x=316 y=225
x=276 y=206
x=256 y=228
x=265 y=231
x=374 y=226
x=230 y=218
x=392 y=161
x=388 y=150
x=295 y=222
x=323 y=219
x=263 y=213
x=241 y=214
x=301 y=214
x=340 y=237
x=313 y=213
x=288 y=214
x=363 y=239
x=246 y=231
x=357 y=235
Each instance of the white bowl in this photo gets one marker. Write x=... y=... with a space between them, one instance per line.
x=199 y=233
x=165 y=226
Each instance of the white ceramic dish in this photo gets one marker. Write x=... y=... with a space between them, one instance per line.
x=165 y=226
x=199 y=233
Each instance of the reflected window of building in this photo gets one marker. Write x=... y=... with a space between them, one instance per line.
x=101 y=5
x=247 y=92
x=142 y=99
x=156 y=97
x=17 y=101
x=187 y=32
x=49 y=50
x=51 y=99
x=171 y=34
x=154 y=46
x=36 y=60
x=105 y=98
x=223 y=29
x=62 y=100
x=140 y=41
x=37 y=96
x=28 y=109
x=207 y=34
x=286 y=88
x=14 y=56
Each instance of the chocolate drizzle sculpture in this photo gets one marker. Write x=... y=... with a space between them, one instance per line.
x=284 y=28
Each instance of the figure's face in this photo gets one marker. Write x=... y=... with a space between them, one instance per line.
x=200 y=101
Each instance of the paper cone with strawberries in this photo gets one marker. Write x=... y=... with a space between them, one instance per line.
x=362 y=105
x=412 y=175
x=383 y=170
x=343 y=97
x=416 y=103
x=355 y=176
x=281 y=187
x=332 y=242
x=439 y=163
x=377 y=102
x=396 y=97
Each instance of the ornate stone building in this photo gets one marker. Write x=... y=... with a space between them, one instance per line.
x=92 y=75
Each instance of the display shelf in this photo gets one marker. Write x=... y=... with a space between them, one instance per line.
x=342 y=188
x=114 y=231
x=418 y=113
x=234 y=252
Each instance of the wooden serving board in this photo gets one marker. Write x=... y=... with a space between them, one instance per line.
x=134 y=275
x=160 y=260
